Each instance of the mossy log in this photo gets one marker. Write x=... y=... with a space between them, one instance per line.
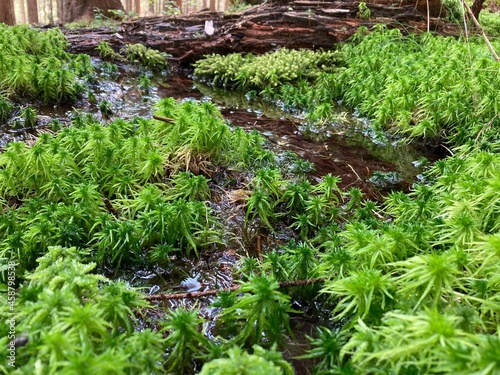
x=291 y=24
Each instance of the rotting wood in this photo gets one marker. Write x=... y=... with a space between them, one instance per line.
x=285 y=24
x=213 y=292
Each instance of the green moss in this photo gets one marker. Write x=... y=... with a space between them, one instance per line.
x=35 y=64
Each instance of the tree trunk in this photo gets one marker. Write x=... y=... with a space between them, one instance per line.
x=138 y=7
x=7 y=12
x=33 y=11
x=70 y=10
x=23 y=12
x=128 y=6
x=476 y=7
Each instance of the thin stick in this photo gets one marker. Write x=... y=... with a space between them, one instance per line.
x=164 y=119
x=487 y=41
x=213 y=292
x=357 y=175
x=259 y=248
x=428 y=17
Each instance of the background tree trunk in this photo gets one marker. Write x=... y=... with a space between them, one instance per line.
x=7 y=12
x=33 y=11
x=50 y=13
x=476 y=7
x=23 y=12
x=70 y=10
x=128 y=6
x=138 y=7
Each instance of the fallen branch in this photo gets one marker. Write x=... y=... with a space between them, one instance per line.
x=164 y=119
x=213 y=292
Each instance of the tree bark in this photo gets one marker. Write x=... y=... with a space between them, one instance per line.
x=476 y=7
x=128 y=6
x=33 y=11
x=7 y=12
x=70 y=10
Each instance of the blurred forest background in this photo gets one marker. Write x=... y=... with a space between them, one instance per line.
x=43 y=12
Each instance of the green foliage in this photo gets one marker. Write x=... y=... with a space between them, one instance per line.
x=454 y=10
x=261 y=311
x=189 y=186
x=184 y=338
x=364 y=12
x=145 y=83
x=428 y=88
x=72 y=317
x=65 y=180
x=242 y=363
x=145 y=56
x=106 y=108
x=36 y=64
x=423 y=287
x=30 y=117
x=490 y=21
x=105 y=50
x=403 y=342
x=137 y=53
x=365 y=293
x=5 y=109
x=327 y=347
x=270 y=69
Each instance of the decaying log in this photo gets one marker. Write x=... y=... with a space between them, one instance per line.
x=291 y=24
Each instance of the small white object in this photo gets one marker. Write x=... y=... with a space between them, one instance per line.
x=191 y=284
x=209 y=27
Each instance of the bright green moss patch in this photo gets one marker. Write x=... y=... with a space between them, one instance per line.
x=422 y=85
x=35 y=64
x=119 y=189
x=271 y=69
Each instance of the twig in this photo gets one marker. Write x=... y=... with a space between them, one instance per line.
x=487 y=41
x=110 y=207
x=357 y=175
x=164 y=119
x=213 y=292
x=259 y=248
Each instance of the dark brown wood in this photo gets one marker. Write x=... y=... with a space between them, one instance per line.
x=110 y=207
x=291 y=24
x=476 y=7
x=7 y=12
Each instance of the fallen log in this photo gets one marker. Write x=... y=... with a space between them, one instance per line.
x=291 y=24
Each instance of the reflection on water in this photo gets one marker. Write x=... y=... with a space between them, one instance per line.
x=47 y=9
